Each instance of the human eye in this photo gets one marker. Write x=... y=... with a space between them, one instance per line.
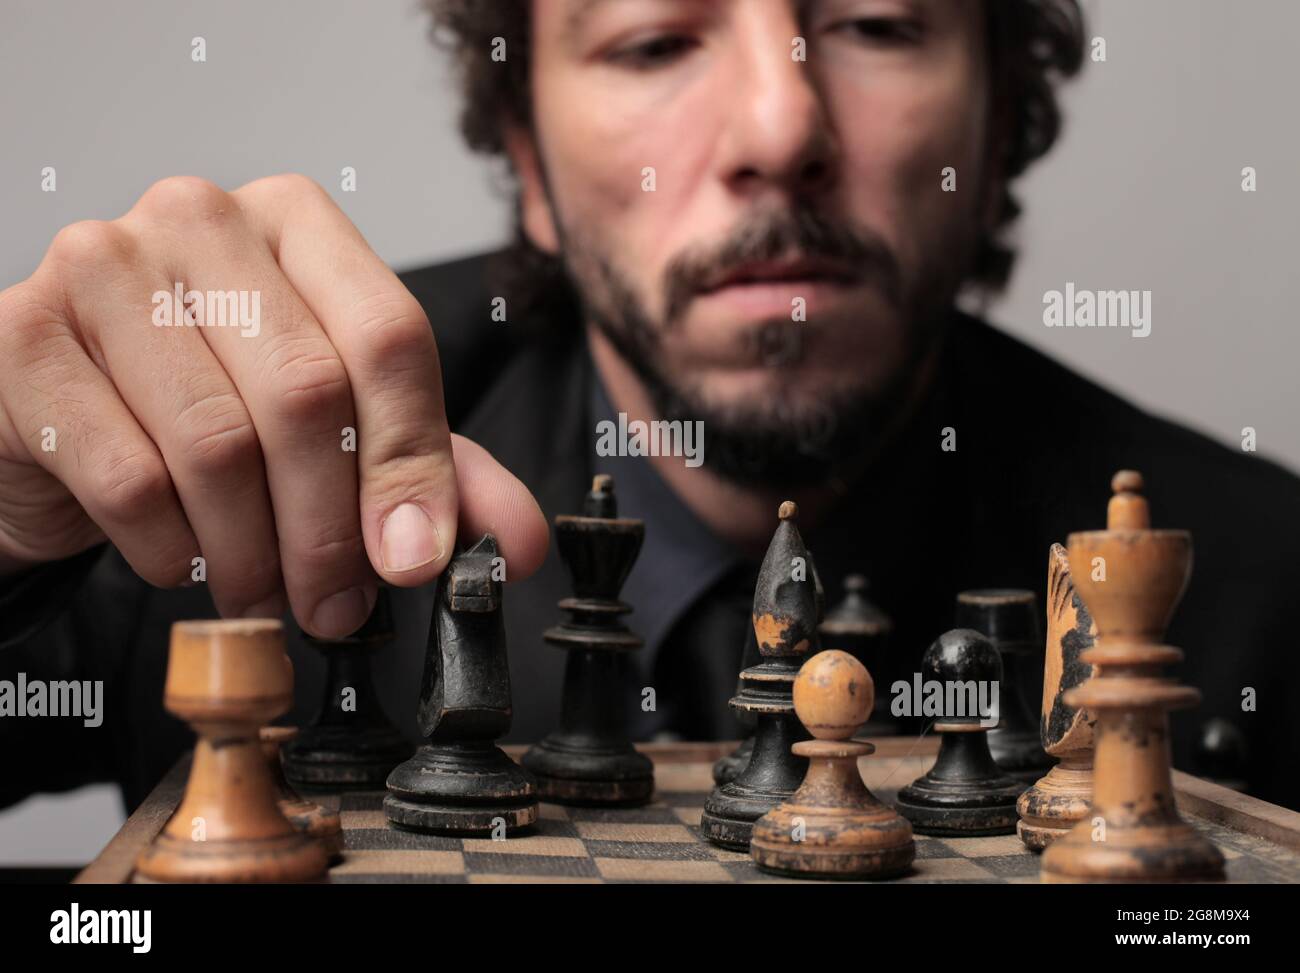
x=652 y=52
x=885 y=31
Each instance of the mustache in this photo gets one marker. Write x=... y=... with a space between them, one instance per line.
x=802 y=232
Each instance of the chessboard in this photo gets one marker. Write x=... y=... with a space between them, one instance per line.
x=662 y=842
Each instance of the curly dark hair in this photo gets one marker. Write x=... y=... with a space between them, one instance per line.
x=1033 y=46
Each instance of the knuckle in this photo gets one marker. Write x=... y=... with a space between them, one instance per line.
x=50 y=358
x=166 y=571
x=16 y=303
x=287 y=185
x=260 y=578
x=298 y=185
x=23 y=316
x=183 y=198
x=248 y=576
x=395 y=331
x=327 y=548
x=220 y=435
x=36 y=356
x=90 y=244
x=133 y=487
x=396 y=470
x=309 y=385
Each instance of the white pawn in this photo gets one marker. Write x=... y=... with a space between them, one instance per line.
x=833 y=827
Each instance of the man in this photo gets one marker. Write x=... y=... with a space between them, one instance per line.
x=737 y=213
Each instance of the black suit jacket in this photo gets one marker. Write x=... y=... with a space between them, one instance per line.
x=1036 y=447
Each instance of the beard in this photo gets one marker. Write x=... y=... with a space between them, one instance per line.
x=778 y=442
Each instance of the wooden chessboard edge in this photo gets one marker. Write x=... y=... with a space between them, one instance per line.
x=1240 y=812
x=114 y=865
x=1196 y=797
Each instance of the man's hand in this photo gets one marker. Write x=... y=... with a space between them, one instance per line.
x=229 y=442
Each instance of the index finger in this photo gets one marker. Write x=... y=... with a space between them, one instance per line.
x=407 y=471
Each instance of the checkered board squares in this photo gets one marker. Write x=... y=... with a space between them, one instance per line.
x=661 y=842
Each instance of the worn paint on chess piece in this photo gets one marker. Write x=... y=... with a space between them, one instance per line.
x=833 y=826
x=227 y=679
x=787 y=609
x=1061 y=798
x=1145 y=839
x=307 y=816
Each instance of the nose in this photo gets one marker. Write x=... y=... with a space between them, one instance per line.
x=776 y=131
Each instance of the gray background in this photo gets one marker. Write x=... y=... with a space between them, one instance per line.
x=1143 y=193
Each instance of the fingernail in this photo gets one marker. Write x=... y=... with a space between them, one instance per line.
x=409 y=539
x=343 y=613
x=273 y=607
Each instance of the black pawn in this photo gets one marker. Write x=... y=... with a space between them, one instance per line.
x=460 y=782
x=860 y=628
x=1008 y=617
x=965 y=794
x=728 y=767
x=589 y=759
x=786 y=611
x=350 y=744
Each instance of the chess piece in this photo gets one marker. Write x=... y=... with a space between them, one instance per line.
x=860 y=628
x=1008 y=617
x=303 y=814
x=1131 y=578
x=785 y=616
x=729 y=767
x=226 y=679
x=590 y=759
x=1059 y=800
x=833 y=827
x=965 y=793
x=459 y=782
x=350 y=744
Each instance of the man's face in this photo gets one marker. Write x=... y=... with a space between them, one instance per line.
x=750 y=195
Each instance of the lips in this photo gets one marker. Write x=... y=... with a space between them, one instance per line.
x=779 y=271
